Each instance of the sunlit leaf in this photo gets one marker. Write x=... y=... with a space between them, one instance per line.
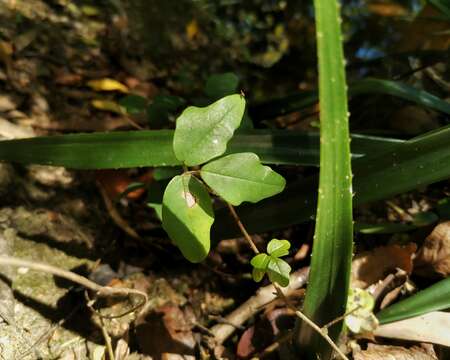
x=242 y=177
x=202 y=134
x=360 y=305
x=107 y=84
x=187 y=216
x=260 y=261
x=278 y=248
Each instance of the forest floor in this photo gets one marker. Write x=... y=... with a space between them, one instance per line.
x=52 y=54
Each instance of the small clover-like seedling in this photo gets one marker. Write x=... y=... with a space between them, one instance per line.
x=360 y=318
x=201 y=135
x=276 y=269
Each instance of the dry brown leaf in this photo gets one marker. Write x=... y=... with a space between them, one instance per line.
x=385 y=9
x=433 y=258
x=431 y=328
x=166 y=330
x=372 y=266
x=107 y=84
x=383 y=352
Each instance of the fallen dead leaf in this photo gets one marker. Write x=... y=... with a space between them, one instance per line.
x=165 y=330
x=433 y=258
x=386 y=9
x=371 y=266
x=383 y=352
x=107 y=84
x=431 y=328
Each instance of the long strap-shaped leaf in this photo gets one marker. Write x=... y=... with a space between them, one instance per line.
x=285 y=105
x=154 y=148
x=434 y=298
x=404 y=167
x=326 y=295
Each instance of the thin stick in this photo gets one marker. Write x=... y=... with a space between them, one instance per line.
x=106 y=337
x=101 y=291
x=242 y=228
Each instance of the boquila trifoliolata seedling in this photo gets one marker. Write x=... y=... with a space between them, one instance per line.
x=200 y=142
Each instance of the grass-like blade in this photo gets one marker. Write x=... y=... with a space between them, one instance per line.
x=295 y=102
x=403 y=167
x=434 y=298
x=329 y=278
x=154 y=148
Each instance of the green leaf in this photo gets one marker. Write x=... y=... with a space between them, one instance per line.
x=162 y=106
x=187 y=216
x=220 y=85
x=278 y=248
x=359 y=306
x=401 y=167
x=241 y=177
x=133 y=104
x=286 y=105
x=257 y=274
x=127 y=149
x=202 y=134
x=278 y=271
x=434 y=298
x=260 y=261
x=443 y=6
x=329 y=279
x=162 y=173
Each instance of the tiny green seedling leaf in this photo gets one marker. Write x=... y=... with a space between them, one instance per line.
x=202 y=134
x=360 y=305
x=258 y=274
x=133 y=104
x=242 y=177
x=220 y=85
x=277 y=269
x=260 y=261
x=187 y=216
x=278 y=248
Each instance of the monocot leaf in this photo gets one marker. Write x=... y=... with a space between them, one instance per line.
x=187 y=216
x=202 y=133
x=242 y=177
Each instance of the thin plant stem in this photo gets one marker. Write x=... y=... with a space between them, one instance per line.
x=242 y=228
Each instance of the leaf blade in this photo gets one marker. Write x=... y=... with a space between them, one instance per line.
x=187 y=216
x=241 y=177
x=202 y=134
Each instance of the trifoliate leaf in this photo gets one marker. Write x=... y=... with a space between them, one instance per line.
x=202 y=134
x=278 y=248
x=242 y=177
x=187 y=216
